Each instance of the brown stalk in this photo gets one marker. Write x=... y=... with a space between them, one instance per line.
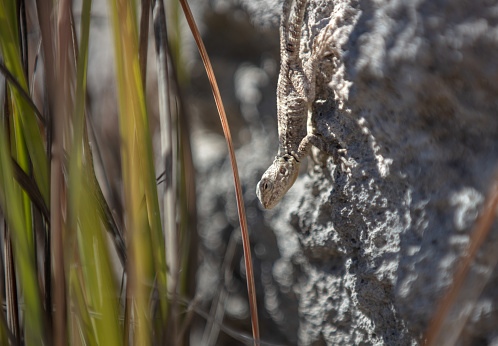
x=44 y=10
x=64 y=35
x=478 y=235
x=238 y=190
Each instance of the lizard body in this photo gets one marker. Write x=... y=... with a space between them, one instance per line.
x=295 y=93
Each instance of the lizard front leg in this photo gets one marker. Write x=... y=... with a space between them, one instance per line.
x=333 y=148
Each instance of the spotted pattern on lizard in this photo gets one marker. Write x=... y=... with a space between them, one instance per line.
x=295 y=94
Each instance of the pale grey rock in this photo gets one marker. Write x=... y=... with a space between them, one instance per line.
x=364 y=256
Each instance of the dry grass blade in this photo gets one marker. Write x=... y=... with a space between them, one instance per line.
x=478 y=235
x=243 y=338
x=170 y=158
x=178 y=174
x=31 y=189
x=44 y=10
x=57 y=186
x=8 y=333
x=238 y=189
x=217 y=312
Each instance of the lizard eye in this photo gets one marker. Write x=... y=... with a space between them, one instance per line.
x=283 y=171
x=267 y=185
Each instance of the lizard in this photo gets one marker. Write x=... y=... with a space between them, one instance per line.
x=295 y=94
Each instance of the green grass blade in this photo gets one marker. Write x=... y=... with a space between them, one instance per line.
x=21 y=160
x=18 y=145
x=97 y=291
x=15 y=202
x=28 y=123
x=11 y=202
x=99 y=286
x=82 y=316
x=144 y=223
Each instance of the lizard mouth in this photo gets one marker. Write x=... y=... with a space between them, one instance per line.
x=268 y=206
x=266 y=203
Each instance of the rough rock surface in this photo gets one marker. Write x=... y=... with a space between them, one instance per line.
x=360 y=255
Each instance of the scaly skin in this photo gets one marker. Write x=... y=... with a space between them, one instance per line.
x=295 y=93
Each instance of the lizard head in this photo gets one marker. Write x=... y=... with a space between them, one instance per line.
x=277 y=180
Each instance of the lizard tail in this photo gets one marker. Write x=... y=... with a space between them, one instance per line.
x=284 y=20
x=292 y=41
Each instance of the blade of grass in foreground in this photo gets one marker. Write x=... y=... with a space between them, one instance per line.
x=144 y=223
x=11 y=51
x=96 y=282
x=28 y=122
x=14 y=202
x=94 y=290
x=11 y=204
x=238 y=190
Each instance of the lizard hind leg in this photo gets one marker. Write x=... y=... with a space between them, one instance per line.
x=323 y=46
x=290 y=30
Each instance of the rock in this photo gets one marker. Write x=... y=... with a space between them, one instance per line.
x=363 y=254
